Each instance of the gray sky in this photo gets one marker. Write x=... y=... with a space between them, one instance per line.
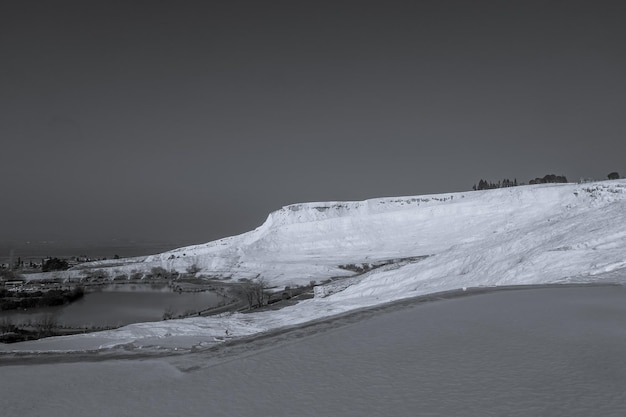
x=189 y=121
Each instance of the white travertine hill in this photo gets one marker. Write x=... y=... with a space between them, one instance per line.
x=501 y=232
x=552 y=233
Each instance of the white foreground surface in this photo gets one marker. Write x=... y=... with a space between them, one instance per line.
x=552 y=352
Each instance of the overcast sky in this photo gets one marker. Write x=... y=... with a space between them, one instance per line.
x=188 y=121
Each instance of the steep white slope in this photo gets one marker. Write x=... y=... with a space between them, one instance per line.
x=308 y=241
x=523 y=235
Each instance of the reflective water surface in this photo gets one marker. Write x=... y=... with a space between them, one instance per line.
x=121 y=304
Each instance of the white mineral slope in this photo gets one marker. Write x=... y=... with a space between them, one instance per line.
x=557 y=233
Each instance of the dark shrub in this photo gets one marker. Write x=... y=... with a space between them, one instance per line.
x=54 y=264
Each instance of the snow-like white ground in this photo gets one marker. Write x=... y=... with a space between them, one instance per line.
x=538 y=352
x=557 y=233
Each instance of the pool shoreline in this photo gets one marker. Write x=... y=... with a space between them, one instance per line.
x=268 y=339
